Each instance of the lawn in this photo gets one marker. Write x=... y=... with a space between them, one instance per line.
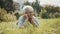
x=47 y=26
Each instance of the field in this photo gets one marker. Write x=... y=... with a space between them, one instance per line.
x=47 y=26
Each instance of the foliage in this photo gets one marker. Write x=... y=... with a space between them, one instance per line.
x=37 y=7
x=18 y=14
x=52 y=9
x=27 y=3
x=43 y=13
x=7 y=5
x=49 y=11
x=6 y=17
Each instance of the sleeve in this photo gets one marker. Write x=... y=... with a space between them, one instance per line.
x=35 y=20
x=21 y=21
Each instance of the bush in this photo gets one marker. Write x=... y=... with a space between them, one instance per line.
x=57 y=15
x=6 y=17
x=45 y=14
x=18 y=14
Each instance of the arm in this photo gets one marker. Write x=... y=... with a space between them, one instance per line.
x=21 y=21
x=35 y=21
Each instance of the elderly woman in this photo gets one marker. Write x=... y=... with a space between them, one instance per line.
x=28 y=15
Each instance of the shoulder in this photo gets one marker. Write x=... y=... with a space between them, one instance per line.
x=21 y=16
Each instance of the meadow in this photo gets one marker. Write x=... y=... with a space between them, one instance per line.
x=47 y=26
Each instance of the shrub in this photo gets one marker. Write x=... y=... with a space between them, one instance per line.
x=45 y=14
x=6 y=17
x=18 y=14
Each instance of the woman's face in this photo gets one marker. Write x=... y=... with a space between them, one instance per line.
x=29 y=13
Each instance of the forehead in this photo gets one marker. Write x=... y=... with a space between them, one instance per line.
x=28 y=10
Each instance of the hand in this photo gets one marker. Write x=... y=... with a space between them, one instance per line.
x=26 y=16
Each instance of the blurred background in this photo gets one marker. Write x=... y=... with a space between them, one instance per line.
x=47 y=11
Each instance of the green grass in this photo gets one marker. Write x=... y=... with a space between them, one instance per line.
x=47 y=26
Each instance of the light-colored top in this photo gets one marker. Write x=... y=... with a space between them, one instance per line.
x=22 y=20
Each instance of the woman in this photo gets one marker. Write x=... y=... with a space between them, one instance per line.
x=28 y=15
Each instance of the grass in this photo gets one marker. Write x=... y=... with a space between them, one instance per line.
x=47 y=26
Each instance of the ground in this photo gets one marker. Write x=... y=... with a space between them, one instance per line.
x=47 y=26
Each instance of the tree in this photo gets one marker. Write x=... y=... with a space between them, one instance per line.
x=51 y=11
x=2 y=3
x=7 y=5
x=37 y=7
x=27 y=3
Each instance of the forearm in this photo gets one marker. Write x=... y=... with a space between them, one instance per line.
x=35 y=21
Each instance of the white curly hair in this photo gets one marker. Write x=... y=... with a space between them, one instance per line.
x=30 y=8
